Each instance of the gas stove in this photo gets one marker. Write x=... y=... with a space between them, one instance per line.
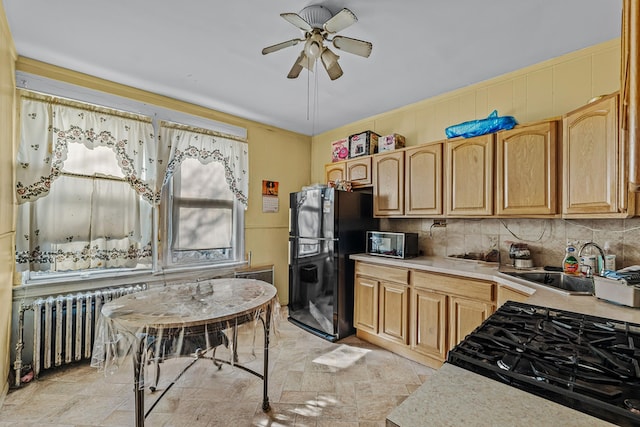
x=588 y=363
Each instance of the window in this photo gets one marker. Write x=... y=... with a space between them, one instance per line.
x=204 y=215
x=91 y=181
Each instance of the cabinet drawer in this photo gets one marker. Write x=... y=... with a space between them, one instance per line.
x=453 y=285
x=391 y=274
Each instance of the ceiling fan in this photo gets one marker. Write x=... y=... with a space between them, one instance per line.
x=319 y=24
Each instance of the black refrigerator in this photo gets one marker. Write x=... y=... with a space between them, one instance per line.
x=325 y=227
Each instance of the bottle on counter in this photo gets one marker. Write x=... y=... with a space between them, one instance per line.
x=570 y=264
x=609 y=262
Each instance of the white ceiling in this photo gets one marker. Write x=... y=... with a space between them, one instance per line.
x=208 y=52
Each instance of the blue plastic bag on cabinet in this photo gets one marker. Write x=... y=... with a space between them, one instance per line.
x=491 y=124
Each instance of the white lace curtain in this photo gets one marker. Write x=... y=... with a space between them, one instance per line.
x=48 y=127
x=178 y=142
x=70 y=222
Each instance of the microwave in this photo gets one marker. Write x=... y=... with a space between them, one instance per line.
x=393 y=245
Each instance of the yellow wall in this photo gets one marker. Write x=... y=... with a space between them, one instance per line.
x=272 y=151
x=541 y=91
x=7 y=230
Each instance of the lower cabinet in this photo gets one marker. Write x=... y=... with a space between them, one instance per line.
x=394 y=312
x=429 y=309
x=366 y=304
x=464 y=316
x=417 y=314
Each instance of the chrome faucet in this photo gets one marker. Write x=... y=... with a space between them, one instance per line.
x=595 y=245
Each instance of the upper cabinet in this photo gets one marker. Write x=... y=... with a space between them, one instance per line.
x=469 y=176
x=592 y=172
x=423 y=180
x=357 y=171
x=408 y=182
x=526 y=170
x=388 y=184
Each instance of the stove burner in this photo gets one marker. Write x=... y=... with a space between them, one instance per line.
x=633 y=405
x=585 y=362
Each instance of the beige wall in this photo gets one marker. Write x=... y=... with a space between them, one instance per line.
x=7 y=230
x=544 y=90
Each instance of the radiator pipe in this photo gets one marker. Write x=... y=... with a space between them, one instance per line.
x=17 y=365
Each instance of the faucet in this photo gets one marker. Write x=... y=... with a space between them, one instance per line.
x=595 y=245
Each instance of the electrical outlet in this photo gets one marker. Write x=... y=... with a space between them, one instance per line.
x=439 y=223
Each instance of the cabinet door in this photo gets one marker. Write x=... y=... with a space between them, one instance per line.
x=464 y=316
x=590 y=158
x=423 y=180
x=366 y=305
x=507 y=294
x=429 y=312
x=526 y=181
x=388 y=184
x=470 y=176
x=335 y=171
x=359 y=171
x=394 y=312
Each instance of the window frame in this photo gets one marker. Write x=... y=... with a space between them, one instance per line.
x=167 y=211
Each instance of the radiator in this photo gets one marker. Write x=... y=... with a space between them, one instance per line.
x=64 y=327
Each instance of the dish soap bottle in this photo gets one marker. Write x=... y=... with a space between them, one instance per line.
x=570 y=264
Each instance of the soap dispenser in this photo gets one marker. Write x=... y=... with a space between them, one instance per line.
x=570 y=264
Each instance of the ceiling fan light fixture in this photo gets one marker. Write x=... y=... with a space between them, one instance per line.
x=313 y=49
x=330 y=62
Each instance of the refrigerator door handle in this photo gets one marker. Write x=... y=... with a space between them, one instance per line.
x=324 y=239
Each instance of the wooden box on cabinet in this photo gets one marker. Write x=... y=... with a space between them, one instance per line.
x=526 y=169
x=469 y=175
x=593 y=161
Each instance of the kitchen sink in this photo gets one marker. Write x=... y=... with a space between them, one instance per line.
x=573 y=285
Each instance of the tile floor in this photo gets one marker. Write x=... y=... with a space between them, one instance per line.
x=312 y=382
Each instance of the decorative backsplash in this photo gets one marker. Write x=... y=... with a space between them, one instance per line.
x=546 y=238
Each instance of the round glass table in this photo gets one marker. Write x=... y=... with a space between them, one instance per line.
x=178 y=320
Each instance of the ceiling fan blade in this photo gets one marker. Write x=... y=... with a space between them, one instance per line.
x=296 y=20
x=355 y=46
x=330 y=62
x=277 y=47
x=340 y=21
x=295 y=70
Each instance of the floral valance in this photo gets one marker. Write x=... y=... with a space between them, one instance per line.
x=49 y=125
x=179 y=142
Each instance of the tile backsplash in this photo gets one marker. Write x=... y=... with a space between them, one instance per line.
x=547 y=238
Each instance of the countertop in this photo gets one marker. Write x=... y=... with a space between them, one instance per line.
x=454 y=396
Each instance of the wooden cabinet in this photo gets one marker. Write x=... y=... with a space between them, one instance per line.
x=366 y=304
x=423 y=180
x=418 y=314
x=388 y=184
x=335 y=171
x=408 y=182
x=381 y=301
x=429 y=311
x=469 y=176
x=464 y=316
x=506 y=293
x=394 y=312
x=460 y=305
x=357 y=171
x=592 y=170
x=526 y=170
